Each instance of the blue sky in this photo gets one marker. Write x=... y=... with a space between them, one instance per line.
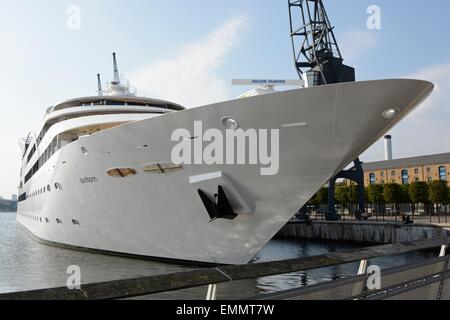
x=189 y=51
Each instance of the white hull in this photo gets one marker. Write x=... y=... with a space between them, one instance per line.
x=162 y=215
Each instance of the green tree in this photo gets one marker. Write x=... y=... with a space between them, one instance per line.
x=418 y=193
x=354 y=199
x=376 y=196
x=342 y=195
x=366 y=195
x=320 y=199
x=314 y=201
x=354 y=194
x=405 y=194
x=393 y=193
x=438 y=192
x=322 y=196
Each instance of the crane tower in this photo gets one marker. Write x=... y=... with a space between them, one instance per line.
x=319 y=61
x=317 y=55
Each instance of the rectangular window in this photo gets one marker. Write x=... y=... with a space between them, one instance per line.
x=442 y=174
x=372 y=178
x=405 y=177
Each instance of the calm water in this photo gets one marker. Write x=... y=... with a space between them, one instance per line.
x=26 y=264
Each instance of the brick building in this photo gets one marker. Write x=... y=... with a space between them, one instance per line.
x=408 y=170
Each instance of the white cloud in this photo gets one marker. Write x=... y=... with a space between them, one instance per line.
x=355 y=44
x=425 y=131
x=439 y=101
x=191 y=77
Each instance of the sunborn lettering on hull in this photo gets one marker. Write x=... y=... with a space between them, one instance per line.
x=88 y=180
x=237 y=147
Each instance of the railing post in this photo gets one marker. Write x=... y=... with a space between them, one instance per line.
x=363 y=267
x=212 y=292
x=361 y=271
x=443 y=251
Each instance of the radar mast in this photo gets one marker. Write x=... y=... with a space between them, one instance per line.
x=118 y=86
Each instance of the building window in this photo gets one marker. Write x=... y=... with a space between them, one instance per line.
x=405 y=177
x=442 y=174
x=372 y=178
x=416 y=179
x=430 y=179
x=393 y=173
x=382 y=174
x=428 y=170
x=416 y=171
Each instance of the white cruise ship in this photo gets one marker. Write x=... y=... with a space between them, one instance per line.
x=99 y=174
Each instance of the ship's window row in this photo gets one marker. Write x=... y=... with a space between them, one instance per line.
x=22 y=197
x=63 y=139
x=93 y=113
x=39 y=192
x=34 y=218
x=32 y=152
x=51 y=149
x=75 y=222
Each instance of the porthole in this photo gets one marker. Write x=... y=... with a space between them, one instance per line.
x=46 y=220
x=85 y=151
x=390 y=114
x=75 y=222
x=58 y=186
x=48 y=188
x=230 y=123
x=58 y=221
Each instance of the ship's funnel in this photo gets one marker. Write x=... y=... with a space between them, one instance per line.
x=388 y=148
x=116 y=70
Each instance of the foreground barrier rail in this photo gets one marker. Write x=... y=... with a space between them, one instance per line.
x=428 y=280
x=203 y=277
